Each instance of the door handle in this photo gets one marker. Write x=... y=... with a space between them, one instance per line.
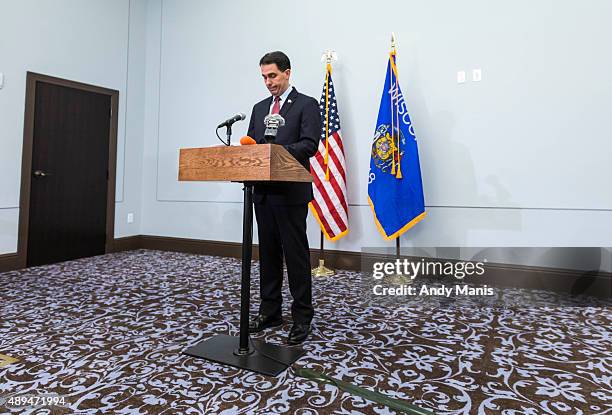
x=40 y=173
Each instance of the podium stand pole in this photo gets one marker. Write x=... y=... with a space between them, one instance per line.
x=255 y=355
x=247 y=255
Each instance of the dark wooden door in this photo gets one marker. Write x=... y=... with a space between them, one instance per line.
x=68 y=199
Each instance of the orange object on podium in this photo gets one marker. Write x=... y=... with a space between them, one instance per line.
x=246 y=141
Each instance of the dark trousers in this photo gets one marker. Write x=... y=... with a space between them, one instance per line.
x=282 y=230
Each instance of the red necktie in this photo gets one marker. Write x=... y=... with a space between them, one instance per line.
x=276 y=106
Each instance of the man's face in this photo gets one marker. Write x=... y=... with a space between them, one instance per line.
x=276 y=81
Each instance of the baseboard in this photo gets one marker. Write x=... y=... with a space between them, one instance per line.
x=9 y=262
x=595 y=282
x=127 y=243
x=195 y=246
x=576 y=282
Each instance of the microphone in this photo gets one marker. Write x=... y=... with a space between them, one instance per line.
x=246 y=140
x=272 y=122
x=238 y=117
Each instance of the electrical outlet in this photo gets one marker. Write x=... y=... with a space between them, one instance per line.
x=461 y=77
x=130 y=217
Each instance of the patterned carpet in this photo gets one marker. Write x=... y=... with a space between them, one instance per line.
x=107 y=334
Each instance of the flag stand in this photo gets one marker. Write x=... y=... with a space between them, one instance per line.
x=322 y=270
x=323 y=160
x=394 y=169
x=398 y=279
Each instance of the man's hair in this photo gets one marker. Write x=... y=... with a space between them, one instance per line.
x=279 y=58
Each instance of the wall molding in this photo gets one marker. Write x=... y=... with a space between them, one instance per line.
x=595 y=282
x=127 y=243
x=9 y=262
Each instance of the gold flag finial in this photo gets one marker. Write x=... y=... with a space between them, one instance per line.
x=329 y=56
x=392 y=41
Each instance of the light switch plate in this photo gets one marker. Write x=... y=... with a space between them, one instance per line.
x=477 y=75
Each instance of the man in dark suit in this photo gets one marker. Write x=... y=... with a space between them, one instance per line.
x=281 y=208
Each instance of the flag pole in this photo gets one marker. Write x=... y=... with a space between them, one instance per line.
x=397 y=247
x=396 y=279
x=322 y=270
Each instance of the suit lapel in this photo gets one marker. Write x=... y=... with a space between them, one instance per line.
x=268 y=102
x=290 y=102
x=265 y=110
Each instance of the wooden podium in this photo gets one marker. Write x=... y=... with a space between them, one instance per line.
x=246 y=164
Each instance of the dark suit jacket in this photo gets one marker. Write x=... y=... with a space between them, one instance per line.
x=300 y=136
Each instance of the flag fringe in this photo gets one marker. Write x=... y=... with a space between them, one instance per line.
x=400 y=231
x=329 y=238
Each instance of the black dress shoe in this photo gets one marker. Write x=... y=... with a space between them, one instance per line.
x=298 y=333
x=262 y=322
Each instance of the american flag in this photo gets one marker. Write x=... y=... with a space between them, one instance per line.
x=328 y=169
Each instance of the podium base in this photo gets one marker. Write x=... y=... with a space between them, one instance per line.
x=264 y=358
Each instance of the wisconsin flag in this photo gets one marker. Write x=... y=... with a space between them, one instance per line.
x=395 y=189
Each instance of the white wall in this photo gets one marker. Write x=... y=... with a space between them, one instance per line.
x=96 y=42
x=519 y=159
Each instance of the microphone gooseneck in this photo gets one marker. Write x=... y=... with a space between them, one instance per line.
x=228 y=123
